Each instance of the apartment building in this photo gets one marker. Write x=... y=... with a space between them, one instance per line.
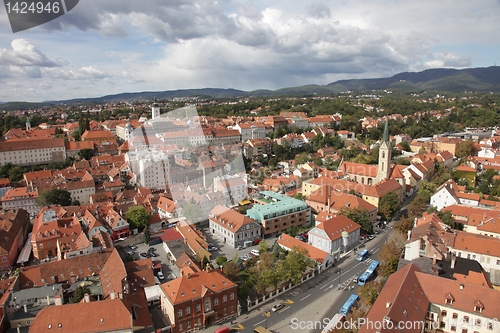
x=20 y=198
x=198 y=299
x=32 y=152
x=276 y=212
x=233 y=228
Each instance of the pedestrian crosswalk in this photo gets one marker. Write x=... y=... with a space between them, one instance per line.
x=368 y=261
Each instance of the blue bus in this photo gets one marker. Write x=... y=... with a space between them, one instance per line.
x=367 y=275
x=362 y=255
x=344 y=310
x=334 y=323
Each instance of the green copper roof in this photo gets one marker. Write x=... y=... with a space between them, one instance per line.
x=386 y=133
x=280 y=205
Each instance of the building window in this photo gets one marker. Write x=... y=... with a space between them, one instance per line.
x=231 y=296
x=453 y=328
x=442 y=325
x=179 y=313
x=455 y=315
x=216 y=302
x=224 y=299
x=464 y=330
x=188 y=324
x=466 y=319
x=188 y=310
x=207 y=305
x=443 y=313
x=180 y=327
x=478 y=322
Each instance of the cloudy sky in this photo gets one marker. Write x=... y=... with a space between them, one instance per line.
x=110 y=46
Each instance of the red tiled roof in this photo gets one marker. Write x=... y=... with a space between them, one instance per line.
x=290 y=243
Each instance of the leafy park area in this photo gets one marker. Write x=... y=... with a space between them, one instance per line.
x=268 y=271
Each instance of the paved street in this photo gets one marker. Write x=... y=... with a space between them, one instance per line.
x=313 y=301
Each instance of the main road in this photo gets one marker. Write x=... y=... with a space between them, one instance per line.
x=306 y=294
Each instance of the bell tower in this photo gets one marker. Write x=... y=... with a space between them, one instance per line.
x=384 y=156
x=155 y=110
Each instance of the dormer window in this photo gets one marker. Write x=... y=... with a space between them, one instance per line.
x=449 y=299
x=478 y=307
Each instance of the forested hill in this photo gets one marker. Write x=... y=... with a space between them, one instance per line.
x=444 y=80
x=470 y=79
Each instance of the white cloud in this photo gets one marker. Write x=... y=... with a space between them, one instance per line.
x=248 y=44
x=23 y=54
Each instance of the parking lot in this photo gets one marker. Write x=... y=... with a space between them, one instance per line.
x=169 y=269
x=230 y=252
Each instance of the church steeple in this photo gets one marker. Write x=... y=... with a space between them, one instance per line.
x=28 y=123
x=155 y=110
x=385 y=138
x=384 y=156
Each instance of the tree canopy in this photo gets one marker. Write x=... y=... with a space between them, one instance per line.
x=138 y=217
x=54 y=197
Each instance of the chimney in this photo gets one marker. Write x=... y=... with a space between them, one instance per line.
x=120 y=295
x=58 y=300
x=461 y=286
x=86 y=298
x=112 y=295
x=387 y=305
x=188 y=275
x=453 y=261
x=25 y=308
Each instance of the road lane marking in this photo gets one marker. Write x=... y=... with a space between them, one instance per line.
x=303 y=298
x=283 y=309
x=260 y=322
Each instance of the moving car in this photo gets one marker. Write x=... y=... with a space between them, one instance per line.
x=355 y=279
x=277 y=307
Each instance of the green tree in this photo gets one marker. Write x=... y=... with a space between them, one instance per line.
x=389 y=204
x=76 y=135
x=295 y=264
x=16 y=173
x=79 y=293
x=221 y=260
x=360 y=216
x=406 y=146
x=417 y=207
x=263 y=247
x=54 y=197
x=293 y=231
x=192 y=212
x=302 y=158
x=448 y=219
x=231 y=270
x=138 y=217
x=464 y=148
x=369 y=292
x=299 y=196
x=146 y=236
x=86 y=154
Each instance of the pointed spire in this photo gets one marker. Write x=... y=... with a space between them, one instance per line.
x=386 y=132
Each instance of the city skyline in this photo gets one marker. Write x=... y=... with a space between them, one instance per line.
x=123 y=46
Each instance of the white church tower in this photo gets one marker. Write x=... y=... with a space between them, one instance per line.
x=28 y=123
x=384 y=156
x=155 y=110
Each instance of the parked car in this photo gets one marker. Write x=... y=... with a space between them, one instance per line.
x=256 y=241
x=239 y=248
x=255 y=252
x=133 y=247
x=144 y=254
x=160 y=276
x=151 y=249
x=371 y=237
x=245 y=257
x=277 y=307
